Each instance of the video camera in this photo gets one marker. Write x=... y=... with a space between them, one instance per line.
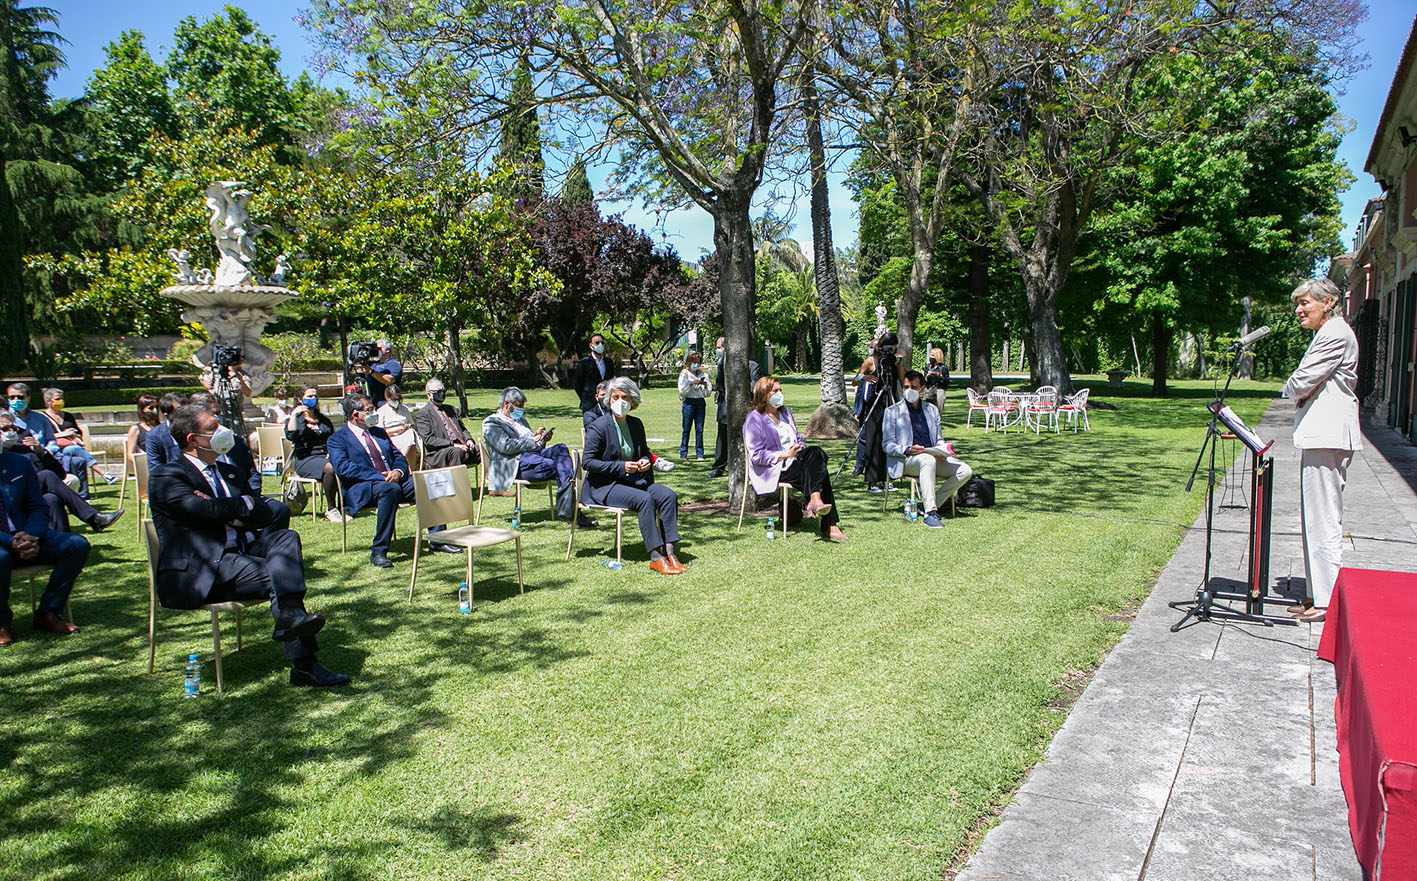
x=224 y=356
x=362 y=354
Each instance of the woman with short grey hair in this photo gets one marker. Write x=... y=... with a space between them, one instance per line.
x=1326 y=432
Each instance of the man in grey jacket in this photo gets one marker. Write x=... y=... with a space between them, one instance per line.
x=515 y=452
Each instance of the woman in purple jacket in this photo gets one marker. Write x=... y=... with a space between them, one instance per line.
x=776 y=452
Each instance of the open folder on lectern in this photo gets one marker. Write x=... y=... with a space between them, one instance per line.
x=1238 y=428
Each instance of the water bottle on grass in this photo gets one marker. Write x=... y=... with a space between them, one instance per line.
x=771 y=534
x=613 y=565
x=193 y=683
x=517 y=517
x=464 y=599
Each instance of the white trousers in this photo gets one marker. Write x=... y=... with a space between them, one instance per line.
x=1322 y=476
x=928 y=468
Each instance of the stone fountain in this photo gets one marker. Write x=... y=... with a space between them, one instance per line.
x=232 y=304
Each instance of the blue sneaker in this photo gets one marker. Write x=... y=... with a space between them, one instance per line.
x=932 y=520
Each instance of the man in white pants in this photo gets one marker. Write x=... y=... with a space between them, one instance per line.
x=1326 y=432
x=910 y=435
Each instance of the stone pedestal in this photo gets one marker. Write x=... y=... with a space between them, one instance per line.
x=234 y=316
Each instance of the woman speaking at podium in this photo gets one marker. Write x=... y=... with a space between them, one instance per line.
x=1326 y=432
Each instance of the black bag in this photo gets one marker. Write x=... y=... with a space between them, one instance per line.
x=978 y=492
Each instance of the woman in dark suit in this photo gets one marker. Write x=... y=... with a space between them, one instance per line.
x=619 y=474
x=309 y=430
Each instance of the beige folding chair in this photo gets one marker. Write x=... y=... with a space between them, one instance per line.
x=150 y=531
x=33 y=571
x=140 y=472
x=270 y=444
x=454 y=508
x=579 y=506
x=748 y=490
x=100 y=456
x=128 y=474
x=344 y=522
x=288 y=476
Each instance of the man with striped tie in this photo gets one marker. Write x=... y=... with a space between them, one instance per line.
x=371 y=470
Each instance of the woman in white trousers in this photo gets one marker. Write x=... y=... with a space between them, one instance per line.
x=1326 y=433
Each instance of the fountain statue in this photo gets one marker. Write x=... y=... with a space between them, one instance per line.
x=232 y=304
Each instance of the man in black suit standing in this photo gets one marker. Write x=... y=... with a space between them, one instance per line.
x=25 y=537
x=591 y=371
x=720 y=403
x=219 y=543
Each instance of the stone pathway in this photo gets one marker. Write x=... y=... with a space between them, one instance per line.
x=1210 y=753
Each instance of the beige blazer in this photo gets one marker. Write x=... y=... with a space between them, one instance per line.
x=1324 y=391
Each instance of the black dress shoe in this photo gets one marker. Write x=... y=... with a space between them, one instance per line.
x=442 y=548
x=297 y=624
x=100 y=522
x=381 y=561
x=584 y=522
x=716 y=472
x=317 y=676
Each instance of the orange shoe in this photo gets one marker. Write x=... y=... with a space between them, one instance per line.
x=664 y=566
x=682 y=567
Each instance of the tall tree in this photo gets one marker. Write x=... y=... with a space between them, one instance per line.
x=577 y=189
x=695 y=98
x=128 y=101
x=520 y=150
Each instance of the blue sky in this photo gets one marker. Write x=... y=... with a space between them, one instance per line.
x=89 y=26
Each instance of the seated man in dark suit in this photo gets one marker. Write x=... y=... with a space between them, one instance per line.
x=371 y=470
x=590 y=371
x=446 y=441
x=25 y=538
x=218 y=543
x=240 y=454
x=160 y=446
x=598 y=410
x=58 y=495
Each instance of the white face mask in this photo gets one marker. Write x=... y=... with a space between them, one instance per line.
x=223 y=439
x=620 y=407
x=776 y=399
x=598 y=348
x=911 y=395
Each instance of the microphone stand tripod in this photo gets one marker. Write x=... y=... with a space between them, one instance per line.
x=1206 y=606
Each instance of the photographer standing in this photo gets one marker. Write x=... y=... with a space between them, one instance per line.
x=879 y=396
x=382 y=373
x=236 y=377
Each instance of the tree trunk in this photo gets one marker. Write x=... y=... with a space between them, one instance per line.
x=1246 y=369
x=733 y=244
x=908 y=306
x=455 y=368
x=1049 y=363
x=1160 y=354
x=829 y=320
x=981 y=375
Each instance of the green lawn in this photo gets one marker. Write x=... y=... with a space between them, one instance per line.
x=789 y=710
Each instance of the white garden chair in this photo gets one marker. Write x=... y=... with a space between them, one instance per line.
x=1074 y=406
x=1000 y=410
x=976 y=402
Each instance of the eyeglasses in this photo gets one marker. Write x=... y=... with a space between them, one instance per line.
x=18 y=397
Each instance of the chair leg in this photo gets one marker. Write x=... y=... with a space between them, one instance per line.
x=123 y=486
x=238 y=630
x=521 y=586
x=468 y=575
x=575 y=515
x=783 y=512
x=481 y=488
x=619 y=531
x=742 y=506
x=417 y=543
x=152 y=628
x=343 y=530
x=216 y=650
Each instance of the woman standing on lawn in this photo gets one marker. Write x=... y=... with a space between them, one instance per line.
x=693 y=388
x=1326 y=432
x=777 y=454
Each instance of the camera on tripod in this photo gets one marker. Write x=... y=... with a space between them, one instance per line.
x=362 y=354
x=224 y=356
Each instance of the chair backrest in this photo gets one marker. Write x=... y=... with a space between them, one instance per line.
x=453 y=508
x=85 y=436
x=270 y=442
x=1045 y=400
x=1001 y=388
x=999 y=397
x=140 y=468
x=150 y=537
x=1079 y=400
x=1046 y=390
x=974 y=399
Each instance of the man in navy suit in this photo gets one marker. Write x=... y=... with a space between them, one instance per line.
x=25 y=538
x=591 y=371
x=371 y=470
x=219 y=543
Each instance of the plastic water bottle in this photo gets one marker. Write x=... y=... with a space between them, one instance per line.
x=193 y=685
x=464 y=599
x=771 y=534
x=517 y=517
x=912 y=511
x=613 y=565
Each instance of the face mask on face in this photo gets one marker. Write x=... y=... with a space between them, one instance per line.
x=598 y=348
x=149 y=417
x=911 y=395
x=310 y=402
x=9 y=438
x=18 y=406
x=58 y=405
x=518 y=413
x=394 y=402
x=284 y=402
x=437 y=396
x=694 y=367
x=776 y=399
x=620 y=408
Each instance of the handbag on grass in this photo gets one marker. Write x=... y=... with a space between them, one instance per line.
x=977 y=492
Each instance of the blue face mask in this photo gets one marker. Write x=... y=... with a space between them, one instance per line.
x=517 y=413
x=310 y=402
x=18 y=406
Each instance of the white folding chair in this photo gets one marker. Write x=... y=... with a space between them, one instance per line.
x=1042 y=406
x=288 y=476
x=517 y=484
x=445 y=509
x=1074 y=406
x=140 y=473
x=976 y=403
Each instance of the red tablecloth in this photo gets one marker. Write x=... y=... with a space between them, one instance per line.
x=1370 y=635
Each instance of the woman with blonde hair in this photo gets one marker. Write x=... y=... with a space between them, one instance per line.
x=777 y=454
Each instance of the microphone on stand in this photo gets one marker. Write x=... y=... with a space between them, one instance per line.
x=1253 y=336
